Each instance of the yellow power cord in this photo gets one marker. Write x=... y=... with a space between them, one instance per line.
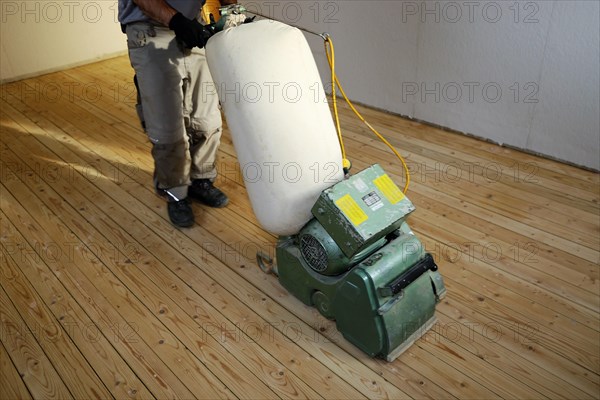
x=346 y=163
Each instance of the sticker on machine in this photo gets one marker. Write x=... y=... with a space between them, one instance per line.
x=351 y=210
x=389 y=189
x=373 y=201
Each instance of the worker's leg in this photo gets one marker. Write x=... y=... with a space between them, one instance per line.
x=204 y=127
x=202 y=116
x=158 y=62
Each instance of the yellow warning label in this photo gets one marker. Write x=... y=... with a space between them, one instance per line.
x=351 y=210
x=389 y=189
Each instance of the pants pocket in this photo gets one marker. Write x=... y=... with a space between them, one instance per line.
x=138 y=34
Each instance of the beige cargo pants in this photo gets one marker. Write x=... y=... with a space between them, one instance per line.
x=181 y=115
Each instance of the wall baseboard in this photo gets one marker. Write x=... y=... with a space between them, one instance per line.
x=63 y=67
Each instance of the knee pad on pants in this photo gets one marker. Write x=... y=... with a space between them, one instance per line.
x=171 y=164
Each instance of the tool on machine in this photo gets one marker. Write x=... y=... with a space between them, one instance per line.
x=344 y=244
x=220 y=18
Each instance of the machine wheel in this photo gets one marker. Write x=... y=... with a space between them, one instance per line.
x=322 y=303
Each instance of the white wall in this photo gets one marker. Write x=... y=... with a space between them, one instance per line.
x=43 y=36
x=521 y=73
x=565 y=121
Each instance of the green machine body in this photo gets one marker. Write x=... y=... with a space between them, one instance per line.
x=358 y=263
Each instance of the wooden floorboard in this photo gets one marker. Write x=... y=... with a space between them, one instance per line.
x=13 y=387
x=102 y=298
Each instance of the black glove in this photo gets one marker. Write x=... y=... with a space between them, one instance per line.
x=191 y=32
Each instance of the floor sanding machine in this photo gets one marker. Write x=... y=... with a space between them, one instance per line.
x=344 y=244
x=358 y=262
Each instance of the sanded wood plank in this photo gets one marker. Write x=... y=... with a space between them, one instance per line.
x=538 y=315
x=11 y=383
x=510 y=263
x=157 y=376
x=454 y=339
x=202 y=382
x=195 y=381
x=505 y=251
x=527 y=298
x=529 y=345
x=87 y=335
x=118 y=93
x=288 y=386
x=35 y=368
x=54 y=340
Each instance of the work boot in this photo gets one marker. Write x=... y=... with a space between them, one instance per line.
x=180 y=213
x=205 y=192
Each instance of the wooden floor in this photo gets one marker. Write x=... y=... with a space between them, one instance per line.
x=101 y=297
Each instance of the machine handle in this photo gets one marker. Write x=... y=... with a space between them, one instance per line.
x=396 y=286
